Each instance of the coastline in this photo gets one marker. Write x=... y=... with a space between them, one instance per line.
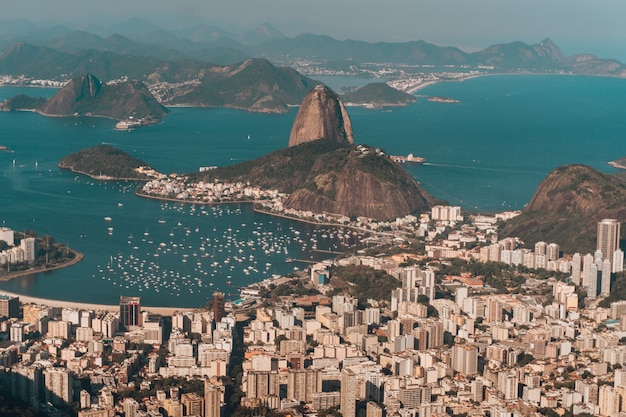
x=412 y=90
x=26 y=299
x=616 y=164
x=258 y=210
x=178 y=200
x=78 y=256
x=101 y=177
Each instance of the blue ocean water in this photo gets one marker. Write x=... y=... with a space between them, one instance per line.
x=487 y=153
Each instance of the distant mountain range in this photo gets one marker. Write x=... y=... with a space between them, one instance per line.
x=211 y=44
x=211 y=67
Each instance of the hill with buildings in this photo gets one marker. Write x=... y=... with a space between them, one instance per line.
x=324 y=172
x=567 y=206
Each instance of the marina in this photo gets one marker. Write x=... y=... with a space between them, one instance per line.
x=197 y=256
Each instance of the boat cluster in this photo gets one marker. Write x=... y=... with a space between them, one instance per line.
x=200 y=249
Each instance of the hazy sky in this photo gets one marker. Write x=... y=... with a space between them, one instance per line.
x=595 y=26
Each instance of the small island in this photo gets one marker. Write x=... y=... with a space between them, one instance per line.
x=105 y=162
x=437 y=99
x=378 y=95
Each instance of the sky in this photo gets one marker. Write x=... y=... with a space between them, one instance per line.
x=593 y=26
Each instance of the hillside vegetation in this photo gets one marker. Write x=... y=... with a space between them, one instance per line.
x=105 y=160
x=378 y=95
x=363 y=282
x=327 y=176
x=567 y=206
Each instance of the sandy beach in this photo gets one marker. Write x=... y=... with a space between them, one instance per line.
x=25 y=299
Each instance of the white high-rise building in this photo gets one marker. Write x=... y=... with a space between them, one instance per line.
x=540 y=248
x=588 y=260
x=552 y=251
x=592 y=281
x=605 y=287
x=576 y=268
x=7 y=235
x=618 y=261
x=59 y=385
x=28 y=246
x=348 y=393
x=465 y=359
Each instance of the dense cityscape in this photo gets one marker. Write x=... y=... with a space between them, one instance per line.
x=444 y=340
x=411 y=277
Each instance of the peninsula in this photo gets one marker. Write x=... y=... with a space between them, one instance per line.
x=321 y=171
x=27 y=253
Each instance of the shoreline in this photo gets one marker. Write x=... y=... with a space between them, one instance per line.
x=617 y=165
x=27 y=299
x=413 y=90
x=78 y=256
x=178 y=200
x=101 y=177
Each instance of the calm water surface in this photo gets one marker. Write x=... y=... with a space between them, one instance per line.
x=488 y=153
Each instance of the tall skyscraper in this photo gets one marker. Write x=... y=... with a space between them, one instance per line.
x=130 y=311
x=348 y=393
x=59 y=385
x=618 y=261
x=303 y=383
x=212 y=399
x=605 y=283
x=131 y=407
x=608 y=237
x=465 y=359
x=9 y=306
x=218 y=306
x=576 y=264
x=28 y=246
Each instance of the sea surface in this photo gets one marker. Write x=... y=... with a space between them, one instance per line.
x=486 y=153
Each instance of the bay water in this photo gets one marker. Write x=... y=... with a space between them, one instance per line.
x=487 y=153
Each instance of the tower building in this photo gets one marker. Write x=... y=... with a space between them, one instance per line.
x=130 y=311
x=608 y=237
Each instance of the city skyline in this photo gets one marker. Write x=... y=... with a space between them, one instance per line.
x=468 y=25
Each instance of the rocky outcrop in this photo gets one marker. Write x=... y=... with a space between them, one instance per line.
x=87 y=96
x=567 y=206
x=363 y=183
x=322 y=115
x=80 y=89
x=326 y=176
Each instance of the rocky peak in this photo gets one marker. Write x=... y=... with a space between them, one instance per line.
x=78 y=89
x=551 y=50
x=322 y=115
